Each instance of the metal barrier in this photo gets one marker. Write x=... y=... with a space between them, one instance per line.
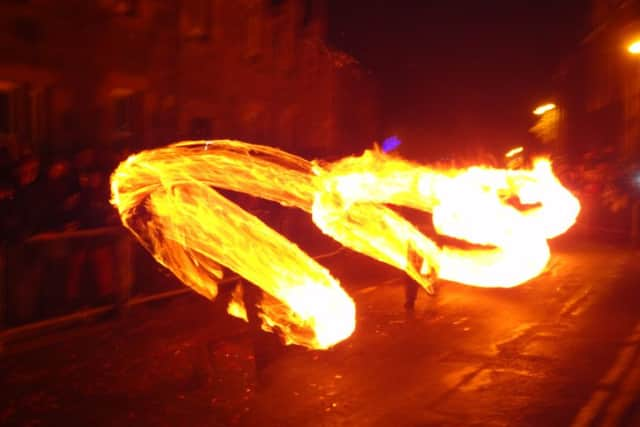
x=127 y=287
x=35 y=278
x=597 y=222
x=129 y=266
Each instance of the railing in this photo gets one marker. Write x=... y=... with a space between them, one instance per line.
x=597 y=223
x=105 y=270
x=44 y=281
x=38 y=277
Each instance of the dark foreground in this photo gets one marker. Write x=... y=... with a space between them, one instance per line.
x=561 y=350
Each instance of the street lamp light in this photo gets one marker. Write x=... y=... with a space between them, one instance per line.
x=634 y=47
x=547 y=124
x=540 y=110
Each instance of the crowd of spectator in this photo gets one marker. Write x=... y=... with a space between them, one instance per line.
x=599 y=177
x=55 y=193
x=60 y=194
x=55 y=196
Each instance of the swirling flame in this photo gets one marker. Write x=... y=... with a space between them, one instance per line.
x=166 y=198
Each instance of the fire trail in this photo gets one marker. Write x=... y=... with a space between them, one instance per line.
x=166 y=197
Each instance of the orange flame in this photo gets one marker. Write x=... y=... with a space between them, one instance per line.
x=166 y=198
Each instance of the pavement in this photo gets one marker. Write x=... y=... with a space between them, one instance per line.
x=560 y=350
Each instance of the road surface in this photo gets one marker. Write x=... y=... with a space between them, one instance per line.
x=560 y=350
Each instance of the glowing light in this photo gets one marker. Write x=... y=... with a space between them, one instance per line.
x=634 y=48
x=165 y=197
x=543 y=109
x=514 y=151
x=390 y=144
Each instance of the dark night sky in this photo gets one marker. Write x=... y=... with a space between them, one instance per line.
x=463 y=72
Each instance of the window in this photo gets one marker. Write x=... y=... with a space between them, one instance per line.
x=24 y=112
x=28 y=30
x=5 y=113
x=9 y=95
x=124 y=113
x=201 y=128
x=39 y=104
x=127 y=108
x=196 y=19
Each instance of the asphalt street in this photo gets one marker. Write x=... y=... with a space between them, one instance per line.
x=560 y=350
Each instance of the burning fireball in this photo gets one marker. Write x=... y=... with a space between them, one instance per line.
x=166 y=198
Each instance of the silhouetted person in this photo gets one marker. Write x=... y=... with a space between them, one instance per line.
x=265 y=344
x=27 y=209
x=251 y=298
x=63 y=192
x=410 y=293
x=410 y=285
x=25 y=219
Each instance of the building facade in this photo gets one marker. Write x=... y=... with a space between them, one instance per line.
x=142 y=73
x=598 y=86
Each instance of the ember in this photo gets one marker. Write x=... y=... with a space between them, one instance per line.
x=166 y=198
